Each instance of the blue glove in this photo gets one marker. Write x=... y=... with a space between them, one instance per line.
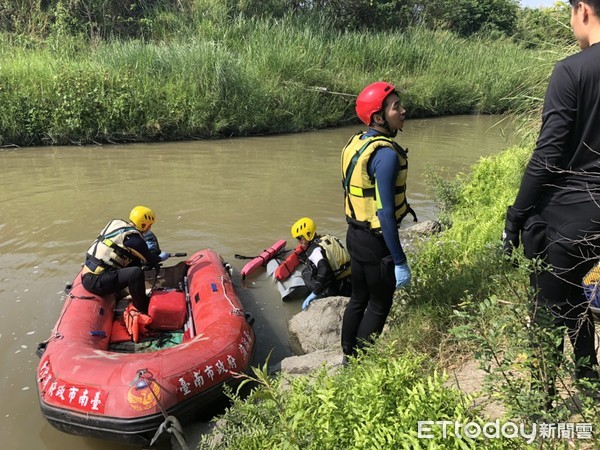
x=164 y=256
x=308 y=300
x=403 y=275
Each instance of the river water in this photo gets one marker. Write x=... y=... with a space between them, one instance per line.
x=234 y=195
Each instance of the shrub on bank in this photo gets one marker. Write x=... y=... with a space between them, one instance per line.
x=377 y=402
x=233 y=81
x=462 y=283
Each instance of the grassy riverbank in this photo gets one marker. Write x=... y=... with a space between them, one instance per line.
x=248 y=77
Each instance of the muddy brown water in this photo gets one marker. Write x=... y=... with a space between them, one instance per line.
x=234 y=195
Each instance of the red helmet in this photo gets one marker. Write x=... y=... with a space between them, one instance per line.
x=371 y=98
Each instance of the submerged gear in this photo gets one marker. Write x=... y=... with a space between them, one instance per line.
x=304 y=227
x=361 y=198
x=109 y=250
x=371 y=98
x=142 y=218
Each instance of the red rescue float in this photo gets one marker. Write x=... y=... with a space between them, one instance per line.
x=263 y=258
x=93 y=380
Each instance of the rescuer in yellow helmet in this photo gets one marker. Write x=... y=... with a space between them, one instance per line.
x=326 y=259
x=113 y=261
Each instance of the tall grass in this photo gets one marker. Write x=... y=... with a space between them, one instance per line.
x=245 y=77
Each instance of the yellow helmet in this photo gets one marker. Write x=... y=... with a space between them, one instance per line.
x=304 y=227
x=142 y=217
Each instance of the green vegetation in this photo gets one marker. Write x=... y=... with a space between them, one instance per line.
x=241 y=84
x=87 y=71
x=377 y=404
x=82 y=71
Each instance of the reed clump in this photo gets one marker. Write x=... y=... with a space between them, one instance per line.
x=245 y=77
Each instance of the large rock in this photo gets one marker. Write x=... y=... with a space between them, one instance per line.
x=422 y=229
x=305 y=364
x=319 y=327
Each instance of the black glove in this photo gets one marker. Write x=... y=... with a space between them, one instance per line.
x=512 y=230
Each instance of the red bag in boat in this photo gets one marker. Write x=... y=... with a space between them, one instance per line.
x=168 y=310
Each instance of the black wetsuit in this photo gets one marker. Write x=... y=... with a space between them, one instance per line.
x=562 y=184
x=319 y=278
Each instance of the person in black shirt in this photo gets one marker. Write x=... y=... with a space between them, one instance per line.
x=556 y=213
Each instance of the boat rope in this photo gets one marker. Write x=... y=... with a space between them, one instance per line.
x=41 y=347
x=238 y=256
x=170 y=425
x=235 y=309
x=191 y=262
x=155 y=280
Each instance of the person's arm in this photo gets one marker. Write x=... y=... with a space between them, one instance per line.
x=137 y=243
x=322 y=277
x=324 y=271
x=152 y=242
x=558 y=117
x=385 y=166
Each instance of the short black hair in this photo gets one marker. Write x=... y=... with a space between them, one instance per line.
x=594 y=4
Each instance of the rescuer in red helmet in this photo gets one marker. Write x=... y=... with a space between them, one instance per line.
x=374 y=169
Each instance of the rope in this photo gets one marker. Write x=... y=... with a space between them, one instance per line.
x=320 y=89
x=171 y=425
x=235 y=310
x=155 y=280
x=237 y=256
x=326 y=90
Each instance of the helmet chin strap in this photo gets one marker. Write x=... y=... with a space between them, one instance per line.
x=386 y=125
x=393 y=133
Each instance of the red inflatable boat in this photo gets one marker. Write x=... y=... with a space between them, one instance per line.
x=93 y=379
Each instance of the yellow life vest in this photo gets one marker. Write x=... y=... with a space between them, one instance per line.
x=109 y=250
x=336 y=254
x=361 y=198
